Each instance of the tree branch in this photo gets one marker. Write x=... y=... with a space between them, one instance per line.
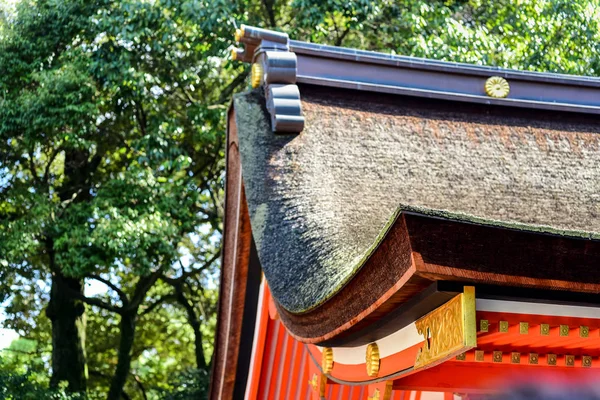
x=51 y=159
x=111 y=285
x=185 y=275
x=341 y=37
x=157 y=303
x=141 y=288
x=139 y=384
x=229 y=89
x=195 y=325
x=94 y=301
x=32 y=167
x=140 y=116
x=270 y=12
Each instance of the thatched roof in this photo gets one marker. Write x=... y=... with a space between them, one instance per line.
x=321 y=201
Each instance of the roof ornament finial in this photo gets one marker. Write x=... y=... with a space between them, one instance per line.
x=274 y=68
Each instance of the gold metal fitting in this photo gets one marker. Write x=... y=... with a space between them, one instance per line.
x=569 y=360
x=515 y=357
x=533 y=358
x=484 y=325
x=375 y=395
x=257 y=74
x=503 y=326
x=564 y=330
x=586 y=361
x=497 y=356
x=552 y=359
x=372 y=359
x=497 y=87
x=479 y=355
x=327 y=360
x=523 y=328
x=239 y=34
x=545 y=329
x=584 y=331
x=314 y=382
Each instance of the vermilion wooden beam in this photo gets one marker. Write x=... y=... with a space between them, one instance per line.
x=486 y=377
x=261 y=337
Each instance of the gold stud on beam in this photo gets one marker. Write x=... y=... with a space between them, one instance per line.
x=564 y=330
x=584 y=331
x=484 y=325
x=570 y=361
x=545 y=329
x=257 y=74
x=551 y=359
x=380 y=390
x=523 y=328
x=515 y=357
x=479 y=355
x=327 y=360
x=497 y=87
x=503 y=326
x=314 y=381
x=497 y=356
x=239 y=33
x=372 y=360
x=461 y=357
x=586 y=361
x=533 y=358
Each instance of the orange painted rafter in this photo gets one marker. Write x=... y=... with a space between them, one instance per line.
x=259 y=343
x=488 y=377
x=542 y=334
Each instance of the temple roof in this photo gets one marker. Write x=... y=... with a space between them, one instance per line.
x=321 y=201
x=383 y=194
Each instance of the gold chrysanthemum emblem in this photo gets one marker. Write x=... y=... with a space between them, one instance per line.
x=497 y=87
x=372 y=359
x=327 y=360
x=257 y=74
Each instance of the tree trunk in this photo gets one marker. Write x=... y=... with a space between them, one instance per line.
x=128 y=321
x=195 y=324
x=200 y=360
x=68 y=334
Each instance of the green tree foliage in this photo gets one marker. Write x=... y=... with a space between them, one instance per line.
x=111 y=149
x=111 y=161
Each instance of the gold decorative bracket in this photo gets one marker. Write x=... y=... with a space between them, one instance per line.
x=372 y=360
x=449 y=330
x=327 y=360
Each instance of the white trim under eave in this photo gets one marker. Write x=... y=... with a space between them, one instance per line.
x=555 y=310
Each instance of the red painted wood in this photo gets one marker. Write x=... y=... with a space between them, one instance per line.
x=534 y=341
x=259 y=351
x=281 y=367
x=358 y=373
x=459 y=377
